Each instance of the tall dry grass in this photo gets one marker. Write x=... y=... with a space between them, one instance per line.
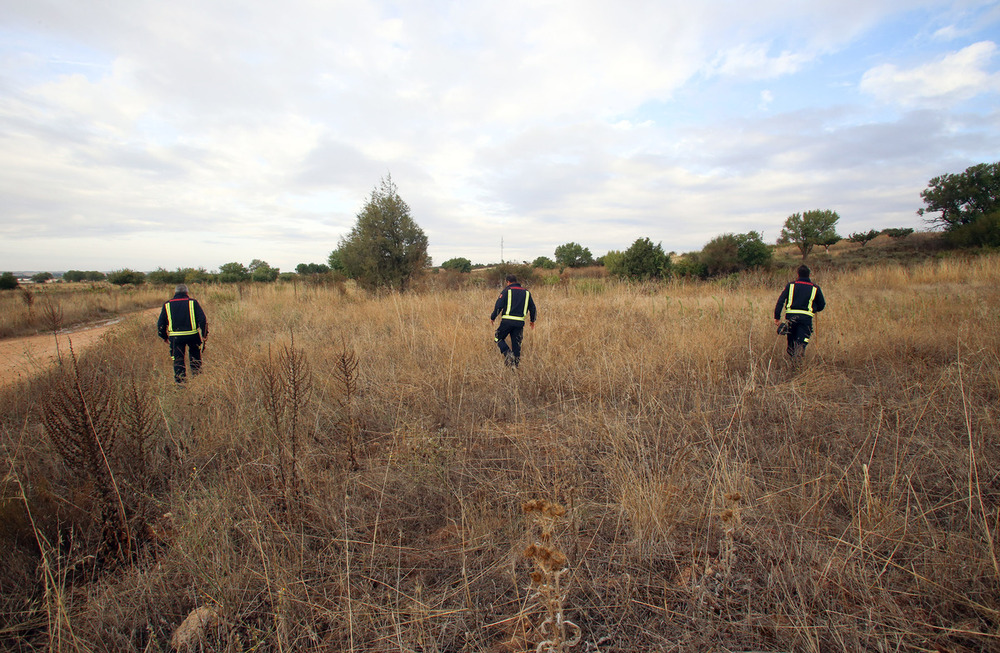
x=51 y=307
x=715 y=499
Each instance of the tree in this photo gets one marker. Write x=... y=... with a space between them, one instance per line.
x=752 y=251
x=41 y=277
x=984 y=231
x=805 y=230
x=961 y=199
x=385 y=248
x=543 y=262
x=8 y=281
x=312 y=268
x=233 y=273
x=126 y=276
x=896 y=234
x=162 y=276
x=720 y=256
x=260 y=271
x=863 y=237
x=640 y=262
x=573 y=255
x=458 y=264
x=80 y=275
x=828 y=240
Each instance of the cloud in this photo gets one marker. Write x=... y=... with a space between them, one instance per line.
x=952 y=78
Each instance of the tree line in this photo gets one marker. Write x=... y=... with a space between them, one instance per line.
x=387 y=249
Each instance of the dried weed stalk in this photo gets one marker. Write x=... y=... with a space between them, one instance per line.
x=80 y=416
x=548 y=579
x=345 y=371
x=287 y=384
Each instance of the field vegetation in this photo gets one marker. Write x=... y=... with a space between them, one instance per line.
x=356 y=472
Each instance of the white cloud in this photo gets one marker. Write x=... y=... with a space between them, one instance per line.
x=950 y=79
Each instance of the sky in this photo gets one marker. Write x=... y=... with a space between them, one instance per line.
x=192 y=133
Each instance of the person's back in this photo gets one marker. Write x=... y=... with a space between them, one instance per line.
x=182 y=324
x=515 y=305
x=800 y=300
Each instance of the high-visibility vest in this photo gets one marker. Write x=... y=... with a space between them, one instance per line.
x=170 y=318
x=510 y=300
x=791 y=295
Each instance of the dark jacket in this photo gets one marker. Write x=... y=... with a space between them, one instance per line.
x=801 y=297
x=514 y=303
x=176 y=318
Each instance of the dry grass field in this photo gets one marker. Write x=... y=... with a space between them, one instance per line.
x=362 y=474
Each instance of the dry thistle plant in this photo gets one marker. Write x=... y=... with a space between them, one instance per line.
x=548 y=579
x=345 y=371
x=80 y=416
x=287 y=387
x=732 y=521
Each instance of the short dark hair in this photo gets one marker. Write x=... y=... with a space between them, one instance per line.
x=511 y=278
x=803 y=272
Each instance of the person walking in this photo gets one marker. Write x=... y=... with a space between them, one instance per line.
x=801 y=300
x=181 y=320
x=514 y=306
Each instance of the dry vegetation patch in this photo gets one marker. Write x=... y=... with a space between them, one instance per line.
x=363 y=474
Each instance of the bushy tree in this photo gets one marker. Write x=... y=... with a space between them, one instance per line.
x=805 y=230
x=897 y=234
x=640 y=262
x=863 y=237
x=385 y=248
x=312 y=268
x=543 y=262
x=233 y=273
x=458 y=264
x=260 y=271
x=753 y=252
x=690 y=265
x=166 y=277
x=984 y=231
x=8 y=281
x=80 y=275
x=41 y=277
x=960 y=199
x=720 y=256
x=126 y=276
x=573 y=255
x=828 y=240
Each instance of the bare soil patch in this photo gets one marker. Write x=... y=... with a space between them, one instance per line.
x=28 y=356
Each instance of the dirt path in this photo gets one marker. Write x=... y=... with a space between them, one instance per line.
x=26 y=357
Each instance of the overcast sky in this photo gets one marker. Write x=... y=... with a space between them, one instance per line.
x=193 y=133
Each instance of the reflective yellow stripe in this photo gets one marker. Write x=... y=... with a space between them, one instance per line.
x=809 y=306
x=510 y=298
x=170 y=321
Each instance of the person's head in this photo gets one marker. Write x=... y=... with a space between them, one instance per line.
x=803 y=272
x=511 y=278
x=181 y=289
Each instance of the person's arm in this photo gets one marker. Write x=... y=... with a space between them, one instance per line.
x=161 y=323
x=497 y=308
x=820 y=302
x=531 y=310
x=780 y=304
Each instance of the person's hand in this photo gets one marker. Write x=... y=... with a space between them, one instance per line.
x=777 y=321
x=492 y=320
x=532 y=325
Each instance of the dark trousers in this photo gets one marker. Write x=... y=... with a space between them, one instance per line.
x=192 y=344
x=800 y=328
x=515 y=330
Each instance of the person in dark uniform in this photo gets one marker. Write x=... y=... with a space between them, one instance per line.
x=180 y=322
x=801 y=300
x=514 y=306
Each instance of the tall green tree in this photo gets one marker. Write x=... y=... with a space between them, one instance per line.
x=805 y=230
x=234 y=272
x=640 y=262
x=41 y=277
x=126 y=276
x=260 y=271
x=863 y=237
x=961 y=199
x=459 y=264
x=573 y=255
x=386 y=248
x=8 y=281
